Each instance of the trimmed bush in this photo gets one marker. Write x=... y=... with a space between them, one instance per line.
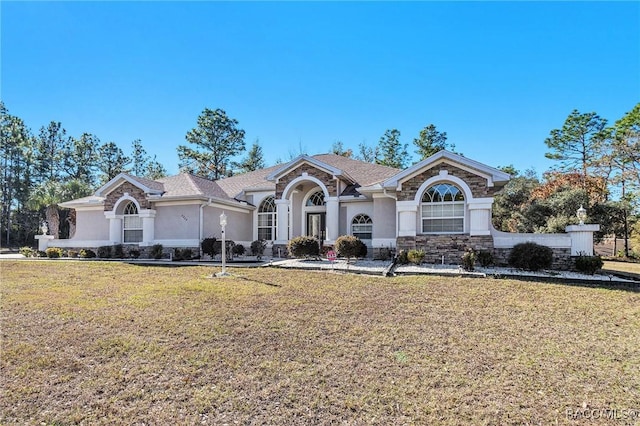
x=27 y=251
x=54 y=252
x=156 y=251
x=87 y=254
x=385 y=253
x=304 y=247
x=257 y=248
x=118 y=251
x=72 y=253
x=349 y=246
x=416 y=256
x=485 y=258
x=41 y=253
x=104 y=252
x=209 y=246
x=238 y=250
x=469 y=260
x=588 y=264
x=182 y=254
x=531 y=257
x=134 y=253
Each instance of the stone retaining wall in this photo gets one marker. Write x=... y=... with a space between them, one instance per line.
x=452 y=247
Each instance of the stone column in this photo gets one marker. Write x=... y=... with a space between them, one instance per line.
x=582 y=239
x=43 y=241
x=333 y=219
x=115 y=227
x=282 y=211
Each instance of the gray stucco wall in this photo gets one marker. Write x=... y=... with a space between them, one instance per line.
x=91 y=225
x=177 y=222
x=239 y=225
x=384 y=218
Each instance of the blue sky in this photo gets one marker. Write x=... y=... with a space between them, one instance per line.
x=496 y=76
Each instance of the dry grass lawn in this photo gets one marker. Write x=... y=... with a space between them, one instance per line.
x=109 y=343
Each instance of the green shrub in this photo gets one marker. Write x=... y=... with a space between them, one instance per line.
x=156 y=251
x=53 y=252
x=87 y=254
x=134 y=253
x=238 y=249
x=588 y=264
x=104 y=252
x=469 y=260
x=304 y=247
x=384 y=253
x=41 y=253
x=257 y=247
x=27 y=251
x=416 y=256
x=118 y=251
x=209 y=246
x=72 y=253
x=403 y=258
x=485 y=258
x=350 y=246
x=531 y=256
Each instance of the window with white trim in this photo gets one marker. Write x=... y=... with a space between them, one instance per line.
x=267 y=219
x=131 y=224
x=316 y=199
x=443 y=210
x=362 y=227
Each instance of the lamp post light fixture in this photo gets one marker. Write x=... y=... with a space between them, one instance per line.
x=582 y=214
x=223 y=224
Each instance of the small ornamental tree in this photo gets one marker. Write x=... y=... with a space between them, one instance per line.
x=349 y=246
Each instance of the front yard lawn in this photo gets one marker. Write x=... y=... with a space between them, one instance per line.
x=110 y=343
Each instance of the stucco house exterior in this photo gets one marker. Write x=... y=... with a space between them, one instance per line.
x=441 y=205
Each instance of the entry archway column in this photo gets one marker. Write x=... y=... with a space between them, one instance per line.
x=282 y=212
x=333 y=219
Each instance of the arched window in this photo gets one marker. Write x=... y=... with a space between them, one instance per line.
x=132 y=224
x=267 y=219
x=362 y=227
x=316 y=199
x=443 y=210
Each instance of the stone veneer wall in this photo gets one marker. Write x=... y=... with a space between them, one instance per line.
x=132 y=190
x=322 y=176
x=477 y=183
x=562 y=259
x=452 y=247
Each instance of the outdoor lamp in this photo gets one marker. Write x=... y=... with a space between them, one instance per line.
x=223 y=223
x=582 y=214
x=44 y=228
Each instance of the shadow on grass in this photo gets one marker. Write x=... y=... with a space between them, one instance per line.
x=256 y=281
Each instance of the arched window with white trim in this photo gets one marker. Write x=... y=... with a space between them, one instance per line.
x=267 y=219
x=131 y=224
x=362 y=227
x=443 y=209
x=316 y=199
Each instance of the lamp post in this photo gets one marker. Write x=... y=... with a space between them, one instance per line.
x=223 y=224
x=582 y=214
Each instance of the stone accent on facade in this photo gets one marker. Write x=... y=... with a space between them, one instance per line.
x=326 y=178
x=562 y=259
x=477 y=184
x=133 y=191
x=452 y=247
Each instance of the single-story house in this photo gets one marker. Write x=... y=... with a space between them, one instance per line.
x=441 y=205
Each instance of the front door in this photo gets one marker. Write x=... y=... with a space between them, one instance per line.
x=316 y=225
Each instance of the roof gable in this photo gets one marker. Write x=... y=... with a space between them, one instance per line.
x=491 y=174
x=148 y=186
x=302 y=159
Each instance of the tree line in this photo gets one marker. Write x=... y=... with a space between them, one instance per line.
x=598 y=167
x=44 y=169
